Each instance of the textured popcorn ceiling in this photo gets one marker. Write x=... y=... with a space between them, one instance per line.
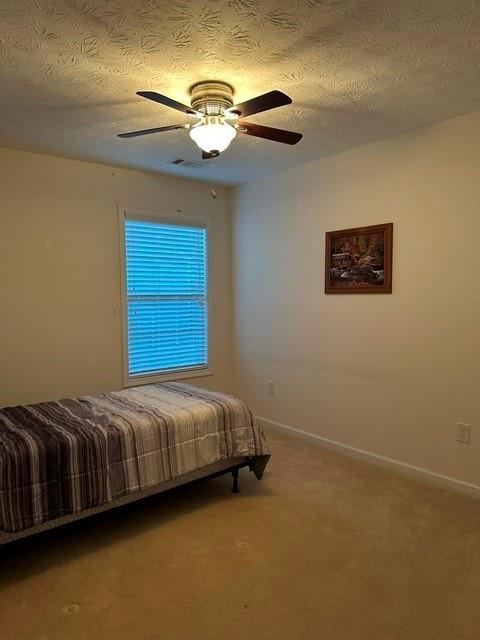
x=357 y=70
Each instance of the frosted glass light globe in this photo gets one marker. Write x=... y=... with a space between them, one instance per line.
x=213 y=136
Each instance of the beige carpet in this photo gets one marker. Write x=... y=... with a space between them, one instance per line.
x=324 y=547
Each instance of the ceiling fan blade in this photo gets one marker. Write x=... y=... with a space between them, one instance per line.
x=146 y=132
x=266 y=101
x=168 y=102
x=278 y=135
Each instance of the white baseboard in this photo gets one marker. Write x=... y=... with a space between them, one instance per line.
x=425 y=475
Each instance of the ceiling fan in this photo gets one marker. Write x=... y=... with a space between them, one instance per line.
x=216 y=120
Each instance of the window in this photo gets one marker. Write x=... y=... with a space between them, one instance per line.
x=166 y=291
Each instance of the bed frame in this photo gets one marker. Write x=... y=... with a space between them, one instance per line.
x=233 y=466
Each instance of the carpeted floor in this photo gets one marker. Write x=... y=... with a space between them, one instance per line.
x=325 y=547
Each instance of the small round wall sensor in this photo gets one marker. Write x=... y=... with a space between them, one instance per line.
x=213 y=193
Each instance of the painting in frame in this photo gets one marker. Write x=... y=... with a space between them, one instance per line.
x=359 y=260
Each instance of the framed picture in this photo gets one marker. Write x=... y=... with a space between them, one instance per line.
x=359 y=260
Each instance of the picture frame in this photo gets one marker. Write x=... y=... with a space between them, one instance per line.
x=359 y=260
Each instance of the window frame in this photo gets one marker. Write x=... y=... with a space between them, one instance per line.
x=178 y=219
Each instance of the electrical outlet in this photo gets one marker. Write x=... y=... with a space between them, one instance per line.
x=463 y=433
x=271 y=388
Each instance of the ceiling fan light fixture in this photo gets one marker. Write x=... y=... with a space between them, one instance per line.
x=213 y=134
x=216 y=120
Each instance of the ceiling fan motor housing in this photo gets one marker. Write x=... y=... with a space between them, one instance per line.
x=211 y=98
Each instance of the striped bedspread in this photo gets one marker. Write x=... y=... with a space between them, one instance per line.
x=58 y=458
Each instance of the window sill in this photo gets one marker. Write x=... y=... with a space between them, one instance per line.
x=136 y=381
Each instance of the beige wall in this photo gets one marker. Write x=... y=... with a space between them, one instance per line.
x=60 y=322
x=391 y=374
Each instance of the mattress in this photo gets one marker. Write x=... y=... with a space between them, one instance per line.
x=68 y=456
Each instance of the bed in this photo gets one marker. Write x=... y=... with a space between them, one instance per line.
x=68 y=459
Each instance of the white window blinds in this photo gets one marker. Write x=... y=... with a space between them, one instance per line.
x=167 y=299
